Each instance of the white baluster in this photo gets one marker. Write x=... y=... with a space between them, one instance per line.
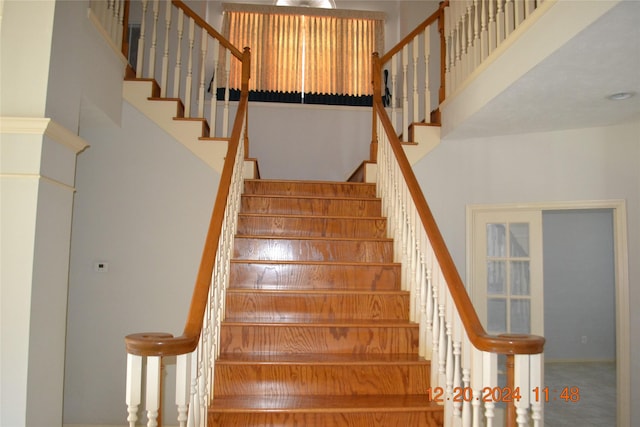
x=518 y=12
x=165 y=56
x=448 y=49
x=134 y=384
x=457 y=363
x=535 y=383
x=467 y=363
x=178 y=68
x=489 y=379
x=500 y=19
x=429 y=313
x=189 y=80
x=405 y=95
x=469 y=36
x=193 y=418
x=394 y=92
x=154 y=40
x=183 y=382
x=120 y=27
x=225 y=113
x=435 y=355
x=203 y=60
x=442 y=350
x=477 y=56
x=484 y=35
x=529 y=7
x=477 y=386
x=510 y=17
x=416 y=97
x=521 y=386
x=493 y=26
x=459 y=43
x=214 y=88
x=449 y=364
x=152 y=402
x=141 y=40
x=427 y=82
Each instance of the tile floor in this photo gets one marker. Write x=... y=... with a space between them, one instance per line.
x=596 y=384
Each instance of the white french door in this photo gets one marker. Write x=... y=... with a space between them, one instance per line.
x=506 y=270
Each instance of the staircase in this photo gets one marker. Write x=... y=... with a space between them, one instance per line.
x=316 y=331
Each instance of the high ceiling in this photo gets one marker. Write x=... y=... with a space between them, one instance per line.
x=569 y=88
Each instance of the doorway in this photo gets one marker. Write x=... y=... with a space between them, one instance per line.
x=567 y=215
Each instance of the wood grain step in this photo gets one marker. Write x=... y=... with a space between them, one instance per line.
x=312 y=305
x=312 y=249
x=326 y=411
x=309 y=188
x=314 y=375
x=325 y=206
x=384 y=337
x=293 y=275
x=318 y=226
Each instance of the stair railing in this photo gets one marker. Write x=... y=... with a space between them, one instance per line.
x=187 y=57
x=464 y=358
x=475 y=29
x=198 y=346
x=408 y=76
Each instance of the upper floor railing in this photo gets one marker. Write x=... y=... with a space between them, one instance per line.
x=474 y=29
x=168 y=42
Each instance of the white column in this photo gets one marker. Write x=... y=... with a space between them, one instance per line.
x=37 y=179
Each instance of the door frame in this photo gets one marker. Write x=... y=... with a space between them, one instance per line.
x=621 y=268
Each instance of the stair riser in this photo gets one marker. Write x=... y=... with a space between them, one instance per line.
x=368 y=419
x=286 y=339
x=318 y=380
x=311 y=227
x=279 y=307
x=313 y=276
x=275 y=249
x=311 y=206
x=309 y=188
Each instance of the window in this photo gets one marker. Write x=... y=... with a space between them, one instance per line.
x=306 y=55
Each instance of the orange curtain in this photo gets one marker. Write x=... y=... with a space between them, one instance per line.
x=301 y=51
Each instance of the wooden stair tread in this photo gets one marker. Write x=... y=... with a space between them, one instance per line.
x=323 y=359
x=372 y=403
x=314 y=197
x=312 y=292
x=338 y=323
x=314 y=238
x=313 y=262
x=307 y=216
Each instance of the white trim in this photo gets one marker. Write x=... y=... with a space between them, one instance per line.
x=623 y=337
x=43 y=126
x=39 y=177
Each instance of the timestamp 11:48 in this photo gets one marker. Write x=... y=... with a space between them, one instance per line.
x=568 y=394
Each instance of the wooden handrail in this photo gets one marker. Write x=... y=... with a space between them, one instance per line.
x=163 y=344
x=212 y=32
x=420 y=28
x=503 y=344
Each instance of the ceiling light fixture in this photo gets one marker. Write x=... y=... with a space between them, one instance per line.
x=620 y=96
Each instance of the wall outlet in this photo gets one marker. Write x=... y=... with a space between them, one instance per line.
x=583 y=340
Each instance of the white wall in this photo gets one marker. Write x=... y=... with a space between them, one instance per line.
x=579 y=285
x=580 y=164
x=143 y=205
